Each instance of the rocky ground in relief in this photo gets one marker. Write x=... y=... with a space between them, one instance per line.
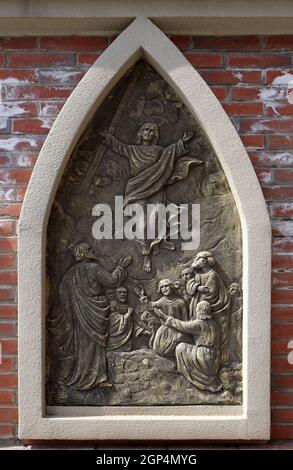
x=143 y=378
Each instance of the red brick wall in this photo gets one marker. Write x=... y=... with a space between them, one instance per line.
x=249 y=75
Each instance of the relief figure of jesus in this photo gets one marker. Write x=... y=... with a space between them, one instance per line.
x=152 y=167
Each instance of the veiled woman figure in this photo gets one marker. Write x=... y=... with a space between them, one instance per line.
x=199 y=363
x=208 y=285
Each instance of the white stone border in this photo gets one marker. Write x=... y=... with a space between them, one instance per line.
x=252 y=421
x=208 y=17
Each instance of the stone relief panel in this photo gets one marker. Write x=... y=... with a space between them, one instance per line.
x=136 y=313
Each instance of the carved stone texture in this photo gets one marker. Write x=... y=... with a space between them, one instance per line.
x=143 y=321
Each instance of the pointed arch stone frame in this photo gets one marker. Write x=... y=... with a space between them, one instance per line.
x=142 y=39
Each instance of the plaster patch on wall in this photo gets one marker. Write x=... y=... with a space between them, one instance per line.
x=272 y=95
x=4 y=177
x=7 y=194
x=11 y=109
x=238 y=75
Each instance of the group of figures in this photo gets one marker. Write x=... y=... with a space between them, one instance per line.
x=196 y=320
x=164 y=304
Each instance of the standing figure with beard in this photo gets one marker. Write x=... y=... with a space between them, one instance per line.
x=207 y=285
x=80 y=324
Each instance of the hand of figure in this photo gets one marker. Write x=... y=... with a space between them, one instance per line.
x=124 y=262
x=144 y=299
x=160 y=314
x=103 y=132
x=203 y=289
x=130 y=311
x=187 y=136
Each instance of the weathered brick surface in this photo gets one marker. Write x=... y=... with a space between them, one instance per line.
x=252 y=77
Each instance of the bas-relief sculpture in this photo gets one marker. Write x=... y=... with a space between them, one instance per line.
x=143 y=322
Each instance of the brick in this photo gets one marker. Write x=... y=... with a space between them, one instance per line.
x=282 y=416
x=6 y=431
x=264 y=175
x=8 y=415
x=271 y=75
x=8 y=75
x=2 y=60
x=258 y=60
x=12 y=144
x=271 y=158
x=6 y=293
x=36 y=92
x=20 y=175
x=282 y=210
x=283 y=280
x=7 y=329
x=7 y=261
x=282 y=228
x=61 y=77
x=282 y=330
x=281 y=398
x=182 y=42
x=280 y=141
x=21 y=193
x=282 y=381
x=8 y=311
x=21 y=108
x=280 y=432
x=245 y=93
x=4 y=160
x=8 y=278
x=7 y=227
x=86 y=60
x=8 y=244
x=279 y=42
x=283 y=176
x=8 y=381
x=7 y=194
x=253 y=141
x=10 y=210
x=282 y=313
x=18 y=43
x=266 y=125
x=228 y=43
x=282 y=245
x=32 y=126
x=201 y=59
x=230 y=77
x=281 y=364
x=39 y=60
x=244 y=109
x=220 y=92
x=281 y=109
x=9 y=346
x=51 y=108
x=73 y=43
x=25 y=160
x=278 y=193
x=7 y=364
x=7 y=397
x=282 y=262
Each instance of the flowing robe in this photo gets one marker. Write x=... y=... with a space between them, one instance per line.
x=166 y=339
x=219 y=300
x=121 y=326
x=199 y=363
x=151 y=168
x=81 y=326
